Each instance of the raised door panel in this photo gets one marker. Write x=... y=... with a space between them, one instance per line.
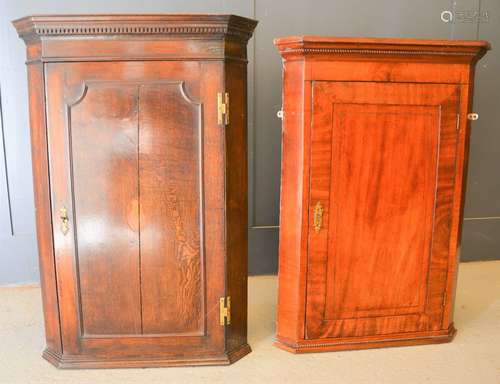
x=136 y=271
x=382 y=178
x=171 y=210
x=103 y=133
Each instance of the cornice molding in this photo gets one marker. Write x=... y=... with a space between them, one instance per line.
x=319 y=45
x=35 y=28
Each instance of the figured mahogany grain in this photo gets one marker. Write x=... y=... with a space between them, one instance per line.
x=375 y=130
x=375 y=250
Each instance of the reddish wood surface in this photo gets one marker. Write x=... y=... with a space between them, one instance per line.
x=376 y=131
x=157 y=216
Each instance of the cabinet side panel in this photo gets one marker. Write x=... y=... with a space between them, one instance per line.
x=41 y=188
x=237 y=202
x=466 y=92
x=293 y=205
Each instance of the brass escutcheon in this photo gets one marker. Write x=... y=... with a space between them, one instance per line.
x=318 y=216
x=63 y=215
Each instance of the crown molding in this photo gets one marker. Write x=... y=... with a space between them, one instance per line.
x=35 y=28
x=348 y=46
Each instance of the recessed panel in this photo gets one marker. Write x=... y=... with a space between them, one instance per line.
x=382 y=168
x=383 y=180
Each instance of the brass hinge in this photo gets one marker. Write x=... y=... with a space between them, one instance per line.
x=458 y=122
x=223 y=108
x=444 y=299
x=225 y=310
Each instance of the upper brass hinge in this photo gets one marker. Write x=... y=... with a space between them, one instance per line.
x=223 y=108
x=444 y=299
x=225 y=310
x=458 y=122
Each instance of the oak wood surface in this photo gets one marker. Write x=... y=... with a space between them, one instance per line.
x=156 y=215
x=103 y=136
x=171 y=211
x=40 y=164
x=375 y=130
x=237 y=214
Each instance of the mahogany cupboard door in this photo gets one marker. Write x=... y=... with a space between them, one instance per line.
x=138 y=269
x=383 y=164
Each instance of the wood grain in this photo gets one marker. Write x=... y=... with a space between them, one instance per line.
x=236 y=171
x=103 y=145
x=171 y=210
x=133 y=151
x=293 y=202
x=40 y=162
x=374 y=131
x=374 y=251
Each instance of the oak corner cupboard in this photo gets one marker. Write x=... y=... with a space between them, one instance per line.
x=138 y=127
x=375 y=145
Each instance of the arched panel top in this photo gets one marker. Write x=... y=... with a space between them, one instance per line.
x=75 y=94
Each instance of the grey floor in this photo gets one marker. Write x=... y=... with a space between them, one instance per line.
x=472 y=358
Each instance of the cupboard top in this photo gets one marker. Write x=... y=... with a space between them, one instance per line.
x=313 y=46
x=128 y=36
x=188 y=25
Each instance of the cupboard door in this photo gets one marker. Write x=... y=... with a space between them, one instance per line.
x=381 y=195
x=128 y=143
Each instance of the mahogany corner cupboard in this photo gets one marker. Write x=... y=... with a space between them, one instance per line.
x=375 y=143
x=138 y=127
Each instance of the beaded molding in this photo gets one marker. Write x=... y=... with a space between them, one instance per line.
x=373 y=51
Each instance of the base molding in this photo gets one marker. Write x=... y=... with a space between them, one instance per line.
x=382 y=341
x=79 y=362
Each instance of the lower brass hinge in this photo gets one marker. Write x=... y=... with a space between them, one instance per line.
x=225 y=310
x=223 y=108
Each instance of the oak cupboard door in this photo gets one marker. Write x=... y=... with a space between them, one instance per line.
x=374 y=157
x=383 y=159
x=127 y=164
x=138 y=126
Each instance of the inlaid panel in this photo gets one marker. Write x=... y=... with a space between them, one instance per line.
x=382 y=168
x=378 y=251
